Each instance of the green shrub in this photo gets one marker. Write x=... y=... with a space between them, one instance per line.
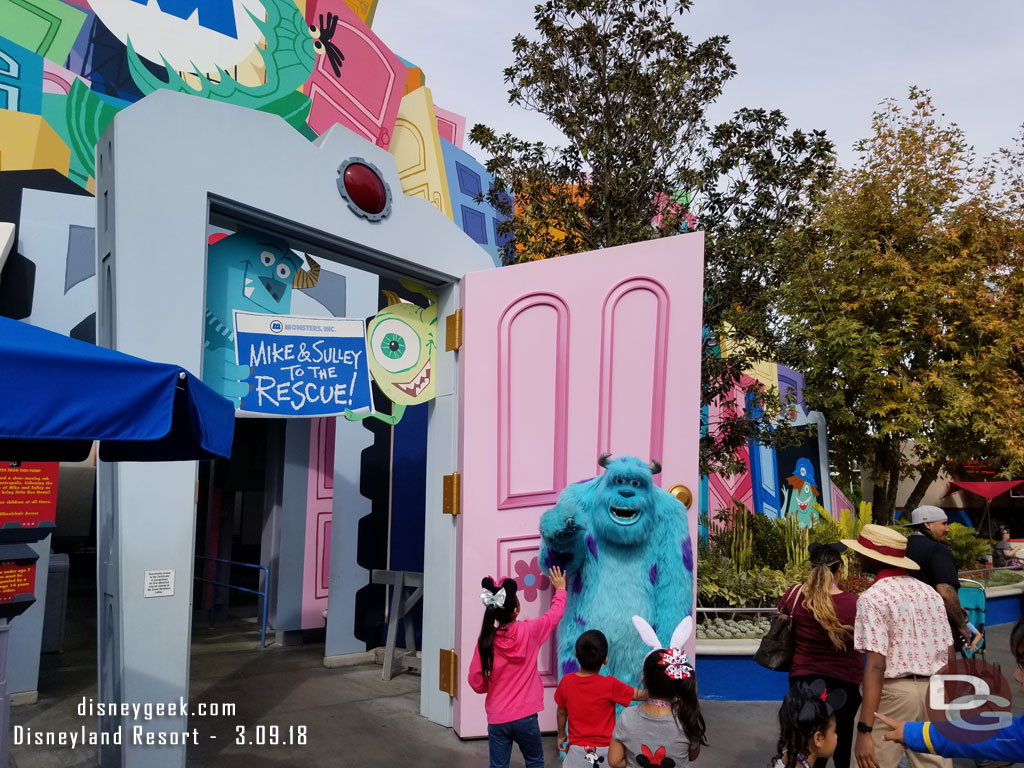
x=967 y=547
x=769 y=542
x=720 y=585
x=734 y=538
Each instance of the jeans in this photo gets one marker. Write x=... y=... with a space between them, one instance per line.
x=525 y=732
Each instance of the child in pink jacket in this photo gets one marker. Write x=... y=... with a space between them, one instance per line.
x=504 y=667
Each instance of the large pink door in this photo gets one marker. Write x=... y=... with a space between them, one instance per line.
x=562 y=360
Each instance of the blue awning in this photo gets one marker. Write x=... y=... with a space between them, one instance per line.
x=58 y=394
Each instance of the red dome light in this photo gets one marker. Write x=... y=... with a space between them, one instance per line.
x=365 y=188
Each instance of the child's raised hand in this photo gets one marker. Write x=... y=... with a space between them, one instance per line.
x=557 y=576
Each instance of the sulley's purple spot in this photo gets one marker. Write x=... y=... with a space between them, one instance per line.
x=580 y=482
x=654 y=574
x=569 y=666
x=580 y=622
x=591 y=545
x=577 y=584
x=687 y=554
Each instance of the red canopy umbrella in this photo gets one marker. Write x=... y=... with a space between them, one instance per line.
x=988 y=490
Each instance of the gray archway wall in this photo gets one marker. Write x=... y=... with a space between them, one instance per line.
x=164 y=165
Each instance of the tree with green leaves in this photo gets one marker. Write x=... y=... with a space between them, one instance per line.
x=630 y=92
x=906 y=312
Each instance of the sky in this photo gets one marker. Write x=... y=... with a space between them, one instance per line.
x=826 y=64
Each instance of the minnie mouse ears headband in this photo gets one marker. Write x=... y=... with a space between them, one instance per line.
x=677 y=664
x=826 y=554
x=819 y=703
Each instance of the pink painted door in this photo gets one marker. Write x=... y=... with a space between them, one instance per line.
x=562 y=360
x=365 y=92
x=723 y=490
x=316 y=567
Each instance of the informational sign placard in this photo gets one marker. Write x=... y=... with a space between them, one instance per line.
x=303 y=366
x=28 y=494
x=159 y=584
x=16 y=579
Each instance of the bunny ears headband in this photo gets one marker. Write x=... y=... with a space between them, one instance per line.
x=676 y=663
x=819 y=703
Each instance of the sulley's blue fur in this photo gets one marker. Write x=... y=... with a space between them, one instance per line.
x=625 y=546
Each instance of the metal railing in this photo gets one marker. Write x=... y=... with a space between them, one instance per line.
x=262 y=593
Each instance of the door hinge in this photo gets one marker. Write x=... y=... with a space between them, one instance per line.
x=448 y=675
x=453 y=330
x=452 y=491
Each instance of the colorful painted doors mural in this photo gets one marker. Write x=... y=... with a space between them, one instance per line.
x=363 y=88
x=562 y=360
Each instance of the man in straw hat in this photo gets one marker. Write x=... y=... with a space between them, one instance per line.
x=901 y=628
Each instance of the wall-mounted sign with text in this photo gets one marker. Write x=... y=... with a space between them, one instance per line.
x=28 y=500
x=303 y=366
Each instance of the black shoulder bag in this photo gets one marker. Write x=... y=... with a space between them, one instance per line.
x=779 y=644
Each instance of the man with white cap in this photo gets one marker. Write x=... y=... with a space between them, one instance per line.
x=901 y=629
x=927 y=547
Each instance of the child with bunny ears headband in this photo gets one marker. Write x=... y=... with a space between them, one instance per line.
x=667 y=730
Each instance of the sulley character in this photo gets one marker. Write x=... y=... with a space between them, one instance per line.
x=625 y=546
x=252 y=271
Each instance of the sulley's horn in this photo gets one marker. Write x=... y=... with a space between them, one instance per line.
x=655 y=466
x=304 y=279
x=602 y=460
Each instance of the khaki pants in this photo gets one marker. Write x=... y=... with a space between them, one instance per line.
x=903 y=699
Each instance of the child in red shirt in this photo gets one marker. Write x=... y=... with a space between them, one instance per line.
x=587 y=700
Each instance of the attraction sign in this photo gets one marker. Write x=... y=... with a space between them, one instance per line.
x=28 y=500
x=17 y=579
x=302 y=366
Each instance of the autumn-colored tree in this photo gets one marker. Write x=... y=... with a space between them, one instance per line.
x=907 y=313
x=630 y=92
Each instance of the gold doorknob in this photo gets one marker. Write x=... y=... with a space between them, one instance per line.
x=682 y=493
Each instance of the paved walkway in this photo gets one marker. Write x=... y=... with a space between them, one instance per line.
x=352 y=717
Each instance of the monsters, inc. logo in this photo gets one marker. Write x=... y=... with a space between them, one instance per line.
x=189 y=34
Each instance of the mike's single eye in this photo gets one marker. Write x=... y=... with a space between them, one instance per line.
x=394 y=344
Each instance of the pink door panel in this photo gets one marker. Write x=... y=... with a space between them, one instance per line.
x=562 y=360
x=365 y=96
x=319 y=511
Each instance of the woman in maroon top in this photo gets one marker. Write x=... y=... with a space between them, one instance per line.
x=823 y=626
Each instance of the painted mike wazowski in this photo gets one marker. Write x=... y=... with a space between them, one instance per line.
x=402 y=353
x=254 y=272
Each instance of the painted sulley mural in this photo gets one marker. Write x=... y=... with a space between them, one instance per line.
x=251 y=271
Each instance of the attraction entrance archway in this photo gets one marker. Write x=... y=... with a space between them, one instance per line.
x=565 y=360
